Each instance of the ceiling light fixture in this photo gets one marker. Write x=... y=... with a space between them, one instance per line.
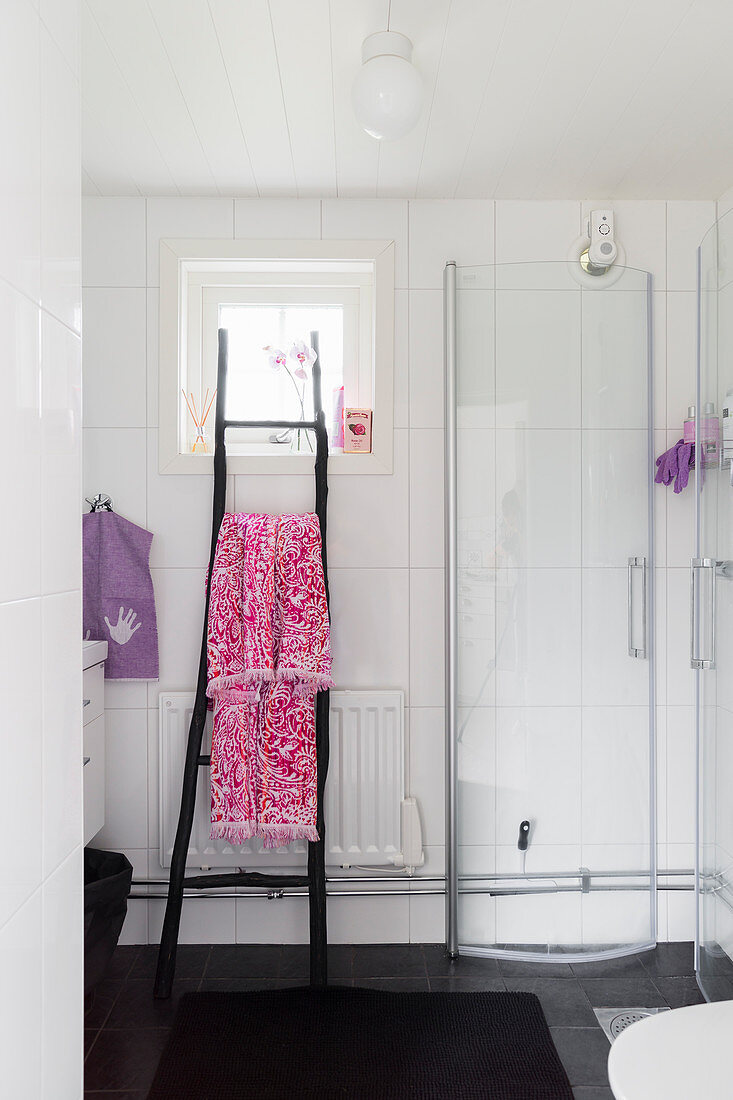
x=387 y=92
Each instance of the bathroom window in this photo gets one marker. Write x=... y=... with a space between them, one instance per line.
x=270 y=295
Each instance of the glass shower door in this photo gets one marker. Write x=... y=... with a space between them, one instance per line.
x=552 y=850
x=712 y=617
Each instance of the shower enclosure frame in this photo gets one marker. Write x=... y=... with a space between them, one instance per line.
x=585 y=884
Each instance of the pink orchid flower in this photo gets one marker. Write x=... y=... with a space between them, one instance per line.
x=276 y=358
x=304 y=356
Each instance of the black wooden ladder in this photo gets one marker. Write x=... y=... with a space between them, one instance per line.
x=315 y=879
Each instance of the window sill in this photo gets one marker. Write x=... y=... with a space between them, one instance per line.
x=292 y=464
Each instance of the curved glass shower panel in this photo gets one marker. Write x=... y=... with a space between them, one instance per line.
x=553 y=544
x=712 y=642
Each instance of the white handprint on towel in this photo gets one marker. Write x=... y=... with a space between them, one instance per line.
x=123 y=629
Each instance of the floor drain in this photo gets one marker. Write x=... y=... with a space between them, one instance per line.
x=615 y=1020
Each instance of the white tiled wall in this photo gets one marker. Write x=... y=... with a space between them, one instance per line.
x=41 y=1008
x=388 y=570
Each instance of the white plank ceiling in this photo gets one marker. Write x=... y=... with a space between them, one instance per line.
x=523 y=98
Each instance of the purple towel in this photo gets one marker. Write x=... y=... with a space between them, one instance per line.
x=119 y=603
x=676 y=464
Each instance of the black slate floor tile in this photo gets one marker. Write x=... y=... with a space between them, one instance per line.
x=592 y=1092
x=244 y=961
x=248 y=985
x=101 y=1001
x=719 y=989
x=473 y=983
x=679 y=992
x=627 y=967
x=191 y=960
x=584 y=1053
x=90 y=1035
x=121 y=962
x=294 y=961
x=670 y=960
x=509 y=968
x=137 y=1007
x=395 y=985
x=564 y=1003
x=622 y=992
x=400 y=960
x=115 y=1095
x=124 y=1060
x=438 y=964
x=340 y=960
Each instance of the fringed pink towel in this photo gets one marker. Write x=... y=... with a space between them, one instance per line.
x=268 y=654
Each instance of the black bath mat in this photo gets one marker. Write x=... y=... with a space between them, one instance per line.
x=365 y=1043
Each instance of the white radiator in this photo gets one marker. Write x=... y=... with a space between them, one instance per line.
x=364 y=789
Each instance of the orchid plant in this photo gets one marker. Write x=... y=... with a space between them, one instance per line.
x=295 y=363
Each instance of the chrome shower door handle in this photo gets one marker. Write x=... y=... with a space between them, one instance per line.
x=702 y=631
x=632 y=564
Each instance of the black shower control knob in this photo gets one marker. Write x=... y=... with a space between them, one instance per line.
x=523 y=842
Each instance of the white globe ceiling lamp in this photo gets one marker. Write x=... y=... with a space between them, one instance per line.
x=387 y=92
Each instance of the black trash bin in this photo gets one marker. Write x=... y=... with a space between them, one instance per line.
x=107 y=879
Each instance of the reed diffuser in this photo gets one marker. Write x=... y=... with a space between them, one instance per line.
x=199 y=419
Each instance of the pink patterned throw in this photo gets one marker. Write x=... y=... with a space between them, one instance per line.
x=268 y=654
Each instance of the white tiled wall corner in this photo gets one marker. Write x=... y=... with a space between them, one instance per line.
x=61 y=697
x=527 y=231
x=60 y=186
x=426 y=498
x=113 y=242
x=204 y=920
x=179 y=604
x=426 y=359
x=687 y=224
x=368 y=653
x=384 y=219
x=681 y=763
x=277 y=218
x=386 y=919
x=21 y=957
x=183 y=217
x=426 y=644
x=60 y=456
x=40 y=315
x=281 y=920
x=426 y=771
x=20 y=140
x=114 y=357
x=681 y=355
x=369 y=517
x=114 y=462
x=178 y=510
x=126 y=770
x=20 y=376
x=63 y=988
x=447 y=229
x=427 y=918
x=21 y=734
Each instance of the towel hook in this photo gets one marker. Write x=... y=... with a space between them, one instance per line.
x=100 y=503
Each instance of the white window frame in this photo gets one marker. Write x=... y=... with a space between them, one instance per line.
x=189 y=266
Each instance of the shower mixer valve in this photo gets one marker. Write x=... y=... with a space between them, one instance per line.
x=523 y=842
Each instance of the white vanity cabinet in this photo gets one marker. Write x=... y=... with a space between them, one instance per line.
x=95 y=654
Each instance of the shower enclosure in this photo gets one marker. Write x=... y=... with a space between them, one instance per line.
x=550 y=611
x=712 y=615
